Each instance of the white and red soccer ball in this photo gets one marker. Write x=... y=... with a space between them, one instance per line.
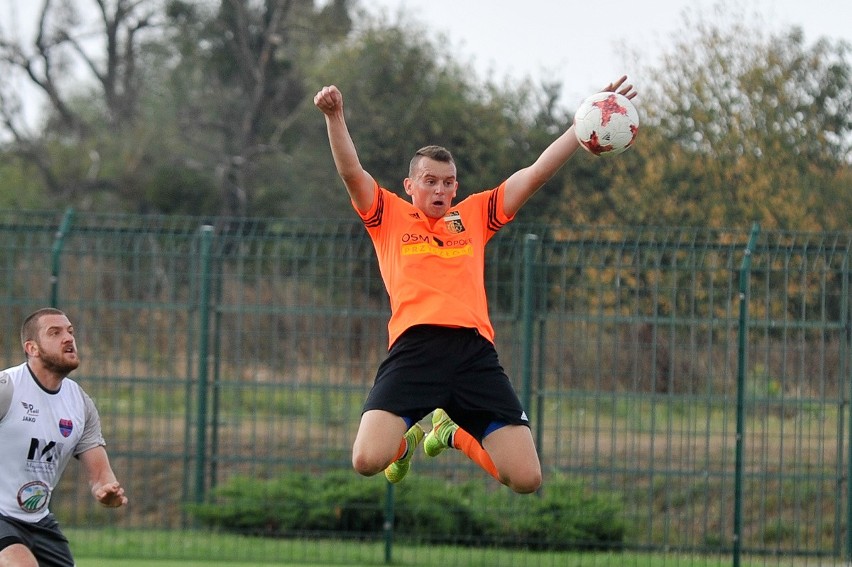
x=606 y=123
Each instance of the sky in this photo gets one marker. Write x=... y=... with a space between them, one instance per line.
x=587 y=44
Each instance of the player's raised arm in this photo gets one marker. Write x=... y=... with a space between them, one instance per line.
x=358 y=182
x=523 y=184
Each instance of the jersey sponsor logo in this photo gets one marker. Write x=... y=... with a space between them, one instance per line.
x=33 y=496
x=66 y=426
x=414 y=244
x=443 y=252
x=43 y=455
x=409 y=237
x=459 y=242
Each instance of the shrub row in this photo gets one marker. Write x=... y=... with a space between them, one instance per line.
x=340 y=504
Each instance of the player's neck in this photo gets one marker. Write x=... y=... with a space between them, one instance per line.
x=46 y=378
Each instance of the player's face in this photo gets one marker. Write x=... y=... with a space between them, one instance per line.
x=56 y=347
x=432 y=187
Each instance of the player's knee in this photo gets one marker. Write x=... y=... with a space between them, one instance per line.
x=18 y=554
x=526 y=486
x=525 y=482
x=365 y=465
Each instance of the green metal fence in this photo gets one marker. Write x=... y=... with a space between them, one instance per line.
x=699 y=378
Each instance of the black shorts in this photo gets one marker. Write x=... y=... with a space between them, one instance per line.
x=456 y=369
x=43 y=538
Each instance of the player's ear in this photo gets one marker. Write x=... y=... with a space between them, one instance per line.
x=406 y=183
x=30 y=348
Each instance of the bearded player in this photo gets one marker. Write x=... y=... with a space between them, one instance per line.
x=45 y=419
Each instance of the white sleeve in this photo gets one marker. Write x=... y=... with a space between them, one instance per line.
x=92 y=436
x=7 y=389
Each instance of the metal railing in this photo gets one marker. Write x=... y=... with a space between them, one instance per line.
x=703 y=376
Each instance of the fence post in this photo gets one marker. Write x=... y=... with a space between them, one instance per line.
x=745 y=271
x=387 y=526
x=56 y=254
x=203 y=352
x=527 y=319
x=846 y=358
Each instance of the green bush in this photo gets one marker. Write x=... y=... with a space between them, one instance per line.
x=293 y=503
x=562 y=516
x=566 y=517
x=433 y=510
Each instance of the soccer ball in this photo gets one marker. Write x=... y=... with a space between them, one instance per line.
x=606 y=123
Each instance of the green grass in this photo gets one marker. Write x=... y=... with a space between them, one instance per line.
x=591 y=560
x=146 y=548
x=91 y=562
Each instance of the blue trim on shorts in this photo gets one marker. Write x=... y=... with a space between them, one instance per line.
x=492 y=427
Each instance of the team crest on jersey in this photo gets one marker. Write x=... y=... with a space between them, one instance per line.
x=454 y=222
x=66 y=426
x=33 y=496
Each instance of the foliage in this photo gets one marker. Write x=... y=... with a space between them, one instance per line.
x=179 y=86
x=239 y=71
x=185 y=107
x=563 y=516
x=401 y=94
x=566 y=513
x=16 y=173
x=741 y=127
x=73 y=149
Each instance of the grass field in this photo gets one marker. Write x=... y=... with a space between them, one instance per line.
x=152 y=548
x=89 y=562
x=589 y=560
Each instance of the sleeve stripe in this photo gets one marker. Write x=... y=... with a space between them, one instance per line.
x=494 y=223
x=375 y=219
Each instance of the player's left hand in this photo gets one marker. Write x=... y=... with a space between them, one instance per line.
x=621 y=88
x=110 y=495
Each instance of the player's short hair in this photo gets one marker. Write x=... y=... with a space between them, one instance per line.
x=437 y=153
x=29 y=330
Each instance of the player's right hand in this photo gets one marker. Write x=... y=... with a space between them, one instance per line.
x=329 y=100
x=110 y=495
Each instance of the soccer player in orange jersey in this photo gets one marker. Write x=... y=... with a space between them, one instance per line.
x=441 y=352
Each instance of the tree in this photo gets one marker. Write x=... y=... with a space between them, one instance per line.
x=741 y=127
x=163 y=90
x=98 y=45
x=178 y=106
x=239 y=83
x=402 y=92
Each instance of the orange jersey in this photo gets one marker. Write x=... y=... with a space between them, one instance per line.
x=434 y=270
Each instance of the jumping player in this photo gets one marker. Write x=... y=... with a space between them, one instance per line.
x=441 y=355
x=46 y=419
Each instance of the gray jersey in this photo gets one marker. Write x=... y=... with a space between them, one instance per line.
x=38 y=436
